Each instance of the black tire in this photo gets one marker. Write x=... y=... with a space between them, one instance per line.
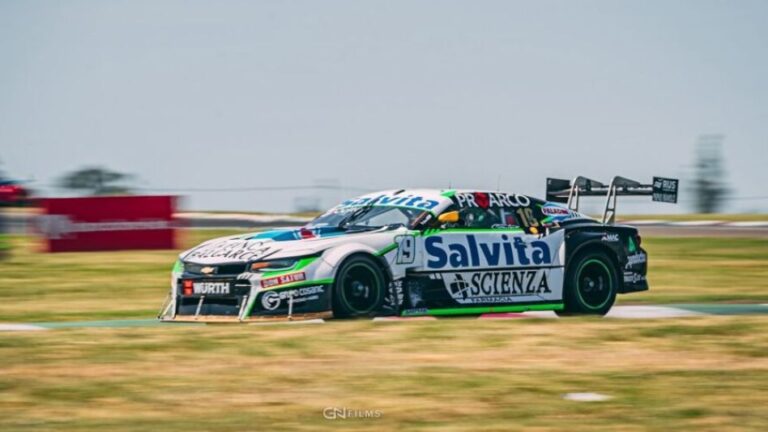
x=591 y=284
x=359 y=288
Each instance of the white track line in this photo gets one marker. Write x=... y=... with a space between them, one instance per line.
x=20 y=327
x=586 y=397
x=696 y=223
x=644 y=222
x=748 y=224
x=312 y=321
x=649 y=312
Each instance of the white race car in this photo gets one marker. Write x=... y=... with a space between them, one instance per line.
x=423 y=252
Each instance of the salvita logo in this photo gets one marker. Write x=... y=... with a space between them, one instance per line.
x=467 y=251
x=392 y=200
x=486 y=200
x=496 y=286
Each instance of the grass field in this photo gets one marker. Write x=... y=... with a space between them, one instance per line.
x=703 y=374
x=698 y=373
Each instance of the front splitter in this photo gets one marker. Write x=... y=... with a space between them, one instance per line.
x=218 y=319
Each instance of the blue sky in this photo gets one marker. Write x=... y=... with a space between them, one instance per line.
x=381 y=94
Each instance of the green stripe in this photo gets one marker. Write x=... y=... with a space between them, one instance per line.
x=301 y=284
x=493 y=309
x=178 y=267
x=432 y=232
x=386 y=249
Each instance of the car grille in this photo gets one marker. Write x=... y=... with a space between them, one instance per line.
x=223 y=269
x=225 y=305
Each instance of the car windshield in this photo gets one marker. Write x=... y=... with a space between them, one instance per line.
x=368 y=217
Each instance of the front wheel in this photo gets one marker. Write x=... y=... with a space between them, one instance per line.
x=591 y=284
x=359 y=287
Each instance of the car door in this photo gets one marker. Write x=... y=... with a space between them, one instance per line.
x=494 y=255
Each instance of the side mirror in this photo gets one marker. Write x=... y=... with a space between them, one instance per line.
x=449 y=217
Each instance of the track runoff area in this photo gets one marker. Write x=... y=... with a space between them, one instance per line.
x=618 y=312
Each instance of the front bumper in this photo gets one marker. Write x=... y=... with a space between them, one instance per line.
x=244 y=301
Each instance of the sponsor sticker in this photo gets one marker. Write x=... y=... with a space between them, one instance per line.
x=415 y=312
x=282 y=280
x=496 y=286
x=665 y=189
x=632 y=277
x=551 y=210
x=393 y=200
x=610 y=237
x=240 y=250
x=635 y=259
x=211 y=288
x=271 y=300
x=486 y=200
x=489 y=251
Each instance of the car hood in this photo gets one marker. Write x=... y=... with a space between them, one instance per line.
x=273 y=244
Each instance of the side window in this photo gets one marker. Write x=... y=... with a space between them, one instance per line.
x=495 y=210
x=526 y=218
x=479 y=217
x=533 y=215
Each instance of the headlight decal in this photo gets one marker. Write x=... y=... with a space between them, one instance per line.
x=298 y=264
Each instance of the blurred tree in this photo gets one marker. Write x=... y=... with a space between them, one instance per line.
x=709 y=185
x=97 y=181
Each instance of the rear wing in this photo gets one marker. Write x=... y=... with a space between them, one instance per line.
x=569 y=191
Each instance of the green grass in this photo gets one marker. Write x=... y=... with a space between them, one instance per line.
x=689 y=270
x=699 y=373
x=72 y=286
x=132 y=284
x=703 y=373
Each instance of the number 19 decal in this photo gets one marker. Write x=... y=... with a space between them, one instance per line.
x=406 y=249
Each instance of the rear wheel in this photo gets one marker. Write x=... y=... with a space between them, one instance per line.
x=591 y=284
x=359 y=287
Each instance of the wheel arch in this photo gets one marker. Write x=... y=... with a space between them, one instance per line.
x=335 y=257
x=596 y=246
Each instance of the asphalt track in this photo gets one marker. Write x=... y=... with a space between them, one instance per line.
x=618 y=312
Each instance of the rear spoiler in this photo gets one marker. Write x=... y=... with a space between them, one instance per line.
x=569 y=191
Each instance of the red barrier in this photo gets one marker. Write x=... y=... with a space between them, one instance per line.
x=108 y=223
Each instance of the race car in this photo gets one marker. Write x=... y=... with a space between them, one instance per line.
x=413 y=252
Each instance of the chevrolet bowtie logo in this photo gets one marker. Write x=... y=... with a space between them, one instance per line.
x=207 y=270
